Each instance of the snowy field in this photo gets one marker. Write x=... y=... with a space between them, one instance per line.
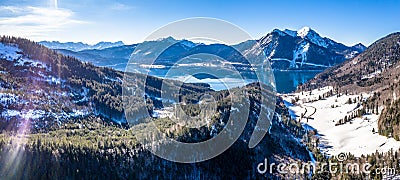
x=356 y=136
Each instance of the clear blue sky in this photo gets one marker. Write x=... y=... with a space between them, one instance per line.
x=131 y=21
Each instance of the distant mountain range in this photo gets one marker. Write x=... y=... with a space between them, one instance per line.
x=304 y=49
x=79 y=46
x=115 y=57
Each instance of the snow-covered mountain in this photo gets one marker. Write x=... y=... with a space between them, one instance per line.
x=305 y=49
x=79 y=46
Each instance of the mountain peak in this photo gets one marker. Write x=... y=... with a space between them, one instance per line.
x=168 y=39
x=304 y=31
x=290 y=32
x=307 y=33
x=171 y=40
x=103 y=45
x=360 y=47
x=187 y=43
x=281 y=33
x=276 y=30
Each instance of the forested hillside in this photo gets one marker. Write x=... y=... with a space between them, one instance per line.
x=52 y=87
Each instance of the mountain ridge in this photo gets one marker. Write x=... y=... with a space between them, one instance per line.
x=79 y=46
x=303 y=49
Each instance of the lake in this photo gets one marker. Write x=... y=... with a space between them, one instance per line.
x=287 y=81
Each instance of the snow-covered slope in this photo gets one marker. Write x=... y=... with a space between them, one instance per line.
x=27 y=104
x=358 y=136
x=14 y=54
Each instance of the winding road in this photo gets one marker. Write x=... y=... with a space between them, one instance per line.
x=306 y=111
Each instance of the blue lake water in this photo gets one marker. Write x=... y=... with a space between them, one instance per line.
x=287 y=81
